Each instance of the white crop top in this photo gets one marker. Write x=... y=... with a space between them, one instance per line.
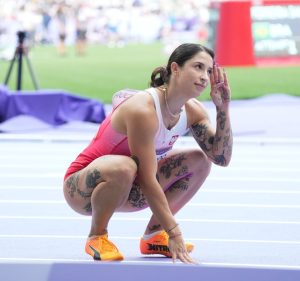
x=165 y=138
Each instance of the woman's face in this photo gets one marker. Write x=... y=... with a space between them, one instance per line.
x=194 y=75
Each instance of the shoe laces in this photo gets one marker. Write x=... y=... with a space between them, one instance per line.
x=108 y=245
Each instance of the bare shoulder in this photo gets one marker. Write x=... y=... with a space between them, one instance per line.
x=140 y=104
x=139 y=112
x=196 y=112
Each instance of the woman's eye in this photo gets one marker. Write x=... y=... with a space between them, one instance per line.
x=209 y=71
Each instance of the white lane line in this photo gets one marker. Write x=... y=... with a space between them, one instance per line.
x=248 y=179
x=215 y=170
x=226 y=205
x=147 y=262
x=31 y=175
x=216 y=190
x=32 y=202
x=205 y=190
x=243 y=205
x=251 y=265
x=136 y=238
x=83 y=218
x=253 y=179
x=30 y=187
x=255 y=169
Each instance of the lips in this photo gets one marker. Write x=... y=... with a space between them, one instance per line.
x=200 y=87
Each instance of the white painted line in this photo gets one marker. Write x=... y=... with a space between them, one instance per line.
x=279 y=169
x=248 y=179
x=33 y=202
x=33 y=166
x=214 y=205
x=216 y=190
x=32 y=175
x=216 y=169
x=243 y=205
x=205 y=190
x=24 y=187
x=147 y=262
x=253 y=179
x=136 y=238
x=252 y=265
x=84 y=218
x=187 y=140
x=44 y=260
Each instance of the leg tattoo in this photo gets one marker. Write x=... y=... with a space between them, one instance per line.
x=171 y=164
x=136 y=198
x=72 y=184
x=93 y=178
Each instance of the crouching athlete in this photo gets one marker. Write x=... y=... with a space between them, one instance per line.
x=131 y=164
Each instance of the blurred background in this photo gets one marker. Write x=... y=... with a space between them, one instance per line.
x=94 y=48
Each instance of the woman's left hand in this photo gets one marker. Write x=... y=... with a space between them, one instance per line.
x=220 y=91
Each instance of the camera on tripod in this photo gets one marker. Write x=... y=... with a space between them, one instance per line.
x=19 y=53
x=21 y=36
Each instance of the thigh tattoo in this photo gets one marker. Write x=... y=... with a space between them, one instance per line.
x=181 y=185
x=136 y=198
x=72 y=184
x=171 y=164
x=93 y=178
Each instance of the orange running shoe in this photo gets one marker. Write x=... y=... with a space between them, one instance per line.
x=158 y=244
x=100 y=248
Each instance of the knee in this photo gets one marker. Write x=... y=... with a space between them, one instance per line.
x=124 y=172
x=201 y=163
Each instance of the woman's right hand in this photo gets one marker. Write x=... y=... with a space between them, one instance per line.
x=178 y=249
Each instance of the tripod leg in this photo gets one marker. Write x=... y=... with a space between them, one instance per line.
x=33 y=78
x=10 y=70
x=19 y=77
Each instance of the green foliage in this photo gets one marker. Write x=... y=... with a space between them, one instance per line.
x=103 y=71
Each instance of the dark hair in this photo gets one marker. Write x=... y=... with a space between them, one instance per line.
x=180 y=55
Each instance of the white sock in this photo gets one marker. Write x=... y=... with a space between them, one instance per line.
x=148 y=236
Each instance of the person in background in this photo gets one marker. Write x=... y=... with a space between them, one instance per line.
x=81 y=21
x=61 y=19
x=131 y=164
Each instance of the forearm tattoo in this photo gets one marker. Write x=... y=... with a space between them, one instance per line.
x=217 y=147
x=221 y=119
x=199 y=132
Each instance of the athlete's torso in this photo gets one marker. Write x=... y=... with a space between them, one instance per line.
x=109 y=141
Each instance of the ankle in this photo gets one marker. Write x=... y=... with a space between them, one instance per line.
x=97 y=234
x=150 y=235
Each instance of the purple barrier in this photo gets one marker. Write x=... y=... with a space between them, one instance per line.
x=55 y=107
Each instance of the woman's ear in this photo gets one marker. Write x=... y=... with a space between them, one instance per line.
x=174 y=68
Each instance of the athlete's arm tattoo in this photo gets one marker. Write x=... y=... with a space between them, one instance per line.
x=219 y=146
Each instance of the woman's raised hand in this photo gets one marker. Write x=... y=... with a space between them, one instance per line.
x=220 y=91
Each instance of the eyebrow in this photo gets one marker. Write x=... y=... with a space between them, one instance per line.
x=199 y=62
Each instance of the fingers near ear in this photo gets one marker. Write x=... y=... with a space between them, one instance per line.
x=225 y=77
x=212 y=76
x=220 y=75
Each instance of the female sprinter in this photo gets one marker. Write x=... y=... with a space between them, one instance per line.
x=130 y=164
